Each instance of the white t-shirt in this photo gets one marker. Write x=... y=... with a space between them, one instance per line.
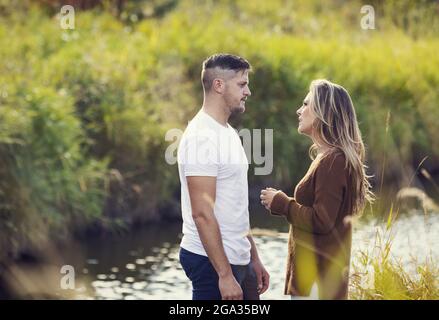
x=208 y=148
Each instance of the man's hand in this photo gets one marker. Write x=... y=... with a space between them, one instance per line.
x=230 y=288
x=262 y=276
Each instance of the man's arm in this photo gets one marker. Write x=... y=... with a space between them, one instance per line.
x=253 y=251
x=261 y=273
x=202 y=192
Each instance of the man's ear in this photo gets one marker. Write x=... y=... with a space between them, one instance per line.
x=218 y=85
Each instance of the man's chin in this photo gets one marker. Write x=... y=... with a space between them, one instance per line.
x=238 y=110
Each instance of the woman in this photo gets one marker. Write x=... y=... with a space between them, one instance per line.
x=334 y=189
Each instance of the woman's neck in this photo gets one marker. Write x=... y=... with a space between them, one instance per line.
x=323 y=149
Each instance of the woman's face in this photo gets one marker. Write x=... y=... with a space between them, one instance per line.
x=306 y=117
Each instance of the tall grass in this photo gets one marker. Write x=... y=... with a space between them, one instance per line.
x=378 y=275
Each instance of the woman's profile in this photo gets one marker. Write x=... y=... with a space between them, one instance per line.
x=334 y=189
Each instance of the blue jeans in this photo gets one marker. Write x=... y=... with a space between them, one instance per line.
x=205 y=279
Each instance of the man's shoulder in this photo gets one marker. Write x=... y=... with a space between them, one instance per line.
x=198 y=137
x=200 y=130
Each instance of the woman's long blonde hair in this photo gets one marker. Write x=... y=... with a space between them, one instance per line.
x=336 y=126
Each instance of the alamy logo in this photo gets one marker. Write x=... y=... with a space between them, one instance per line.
x=67 y=17
x=368 y=20
x=67 y=281
x=208 y=146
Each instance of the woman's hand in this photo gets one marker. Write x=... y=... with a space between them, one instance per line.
x=267 y=196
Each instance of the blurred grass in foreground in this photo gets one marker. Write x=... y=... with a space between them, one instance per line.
x=376 y=276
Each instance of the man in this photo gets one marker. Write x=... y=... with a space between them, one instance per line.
x=217 y=252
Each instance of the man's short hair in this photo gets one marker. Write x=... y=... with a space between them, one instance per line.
x=224 y=62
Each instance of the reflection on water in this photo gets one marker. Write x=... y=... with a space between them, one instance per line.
x=141 y=265
x=144 y=264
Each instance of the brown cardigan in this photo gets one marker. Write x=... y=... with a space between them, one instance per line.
x=319 y=246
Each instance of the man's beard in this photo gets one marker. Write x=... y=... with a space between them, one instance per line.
x=237 y=110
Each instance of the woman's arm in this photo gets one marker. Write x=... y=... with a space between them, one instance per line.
x=330 y=186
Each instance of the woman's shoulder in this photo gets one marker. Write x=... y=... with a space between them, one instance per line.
x=333 y=160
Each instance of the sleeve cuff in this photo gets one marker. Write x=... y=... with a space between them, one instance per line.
x=280 y=204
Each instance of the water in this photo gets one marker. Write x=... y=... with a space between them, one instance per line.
x=144 y=263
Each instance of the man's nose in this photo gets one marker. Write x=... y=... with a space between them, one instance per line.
x=248 y=93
